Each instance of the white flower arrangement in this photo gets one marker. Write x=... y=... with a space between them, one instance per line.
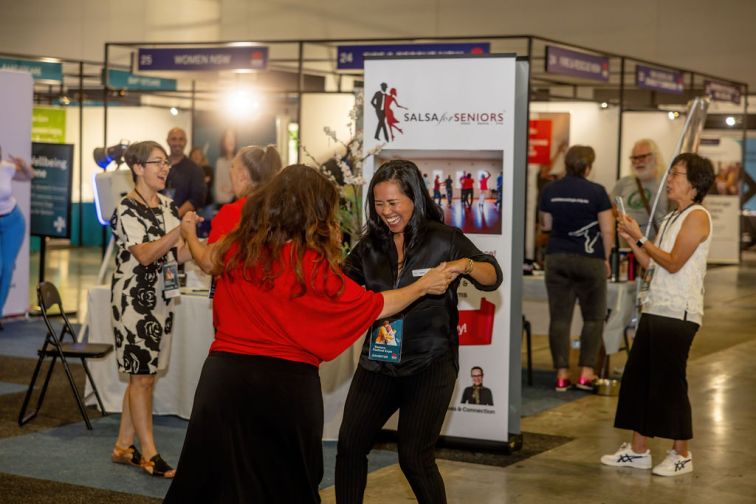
x=350 y=163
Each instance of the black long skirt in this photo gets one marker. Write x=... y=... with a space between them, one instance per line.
x=653 y=398
x=255 y=433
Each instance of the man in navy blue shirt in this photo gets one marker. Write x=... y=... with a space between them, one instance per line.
x=186 y=181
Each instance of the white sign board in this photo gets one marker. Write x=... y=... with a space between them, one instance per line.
x=16 y=100
x=725 y=228
x=455 y=117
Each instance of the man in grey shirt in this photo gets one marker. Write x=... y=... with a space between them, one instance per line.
x=648 y=167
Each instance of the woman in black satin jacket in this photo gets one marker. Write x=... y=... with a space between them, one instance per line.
x=405 y=236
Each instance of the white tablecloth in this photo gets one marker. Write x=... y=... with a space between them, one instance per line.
x=620 y=297
x=188 y=348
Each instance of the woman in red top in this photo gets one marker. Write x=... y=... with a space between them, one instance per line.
x=251 y=167
x=483 y=188
x=391 y=119
x=281 y=307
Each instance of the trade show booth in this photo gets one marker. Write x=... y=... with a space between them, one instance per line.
x=503 y=107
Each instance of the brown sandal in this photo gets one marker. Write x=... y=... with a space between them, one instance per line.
x=129 y=456
x=157 y=467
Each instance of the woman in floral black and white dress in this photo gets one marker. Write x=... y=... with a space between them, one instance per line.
x=146 y=229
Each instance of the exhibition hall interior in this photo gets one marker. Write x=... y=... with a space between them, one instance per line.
x=420 y=251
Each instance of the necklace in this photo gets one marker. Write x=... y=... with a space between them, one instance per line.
x=161 y=221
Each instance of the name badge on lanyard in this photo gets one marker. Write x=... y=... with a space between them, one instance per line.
x=646 y=283
x=386 y=337
x=170 y=279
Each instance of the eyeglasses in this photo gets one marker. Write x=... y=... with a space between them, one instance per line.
x=674 y=173
x=641 y=157
x=159 y=162
x=477 y=376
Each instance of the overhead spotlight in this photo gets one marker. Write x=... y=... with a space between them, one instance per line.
x=104 y=156
x=673 y=115
x=174 y=111
x=64 y=100
x=730 y=121
x=604 y=105
x=242 y=103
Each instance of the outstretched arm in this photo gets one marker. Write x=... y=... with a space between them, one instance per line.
x=202 y=253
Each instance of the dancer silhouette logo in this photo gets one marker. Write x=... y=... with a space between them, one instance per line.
x=385 y=103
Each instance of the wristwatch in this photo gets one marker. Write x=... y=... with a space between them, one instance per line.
x=641 y=241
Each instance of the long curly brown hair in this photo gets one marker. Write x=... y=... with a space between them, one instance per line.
x=299 y=205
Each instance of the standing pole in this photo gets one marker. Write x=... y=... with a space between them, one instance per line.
x=300 y=89
x=81 y=153
x=42 y=253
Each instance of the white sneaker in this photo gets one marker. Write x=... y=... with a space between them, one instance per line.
x=675 y=464
x=626 y=457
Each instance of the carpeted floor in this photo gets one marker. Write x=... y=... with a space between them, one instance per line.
x=541 y=396
x=19 y=489
x=55 y=459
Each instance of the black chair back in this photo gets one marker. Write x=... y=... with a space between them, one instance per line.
x=49 y=297
x=54 y=347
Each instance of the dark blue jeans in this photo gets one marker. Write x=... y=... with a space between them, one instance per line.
x=570 y=277
x=11 y=237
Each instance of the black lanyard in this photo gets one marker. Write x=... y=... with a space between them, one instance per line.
x=671 y=220
x=160 y=222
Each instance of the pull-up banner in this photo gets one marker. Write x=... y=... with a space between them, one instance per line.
x=203 y=58
x=456 y=119
x=352 y=57
x=51 y=189
x=16 y=102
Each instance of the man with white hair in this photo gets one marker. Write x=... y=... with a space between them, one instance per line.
x=639 y=189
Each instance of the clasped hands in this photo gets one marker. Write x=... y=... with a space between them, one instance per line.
x=437 y=279
x=189 y=224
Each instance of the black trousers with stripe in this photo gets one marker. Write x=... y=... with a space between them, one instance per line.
x=422 y=401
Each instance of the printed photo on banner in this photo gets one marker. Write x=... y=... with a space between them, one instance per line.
x=477 y=393
x=467 y=185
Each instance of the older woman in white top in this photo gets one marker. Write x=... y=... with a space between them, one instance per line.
x=12 y=225
x=653 y=398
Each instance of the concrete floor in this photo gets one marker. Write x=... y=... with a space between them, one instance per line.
x=722 y=386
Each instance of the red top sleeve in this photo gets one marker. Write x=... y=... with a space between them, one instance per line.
x=225 y=220
x=310 y=328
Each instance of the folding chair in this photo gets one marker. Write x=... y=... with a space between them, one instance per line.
x=54 y=347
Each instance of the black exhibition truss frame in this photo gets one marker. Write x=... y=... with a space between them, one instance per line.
x=318 y=57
